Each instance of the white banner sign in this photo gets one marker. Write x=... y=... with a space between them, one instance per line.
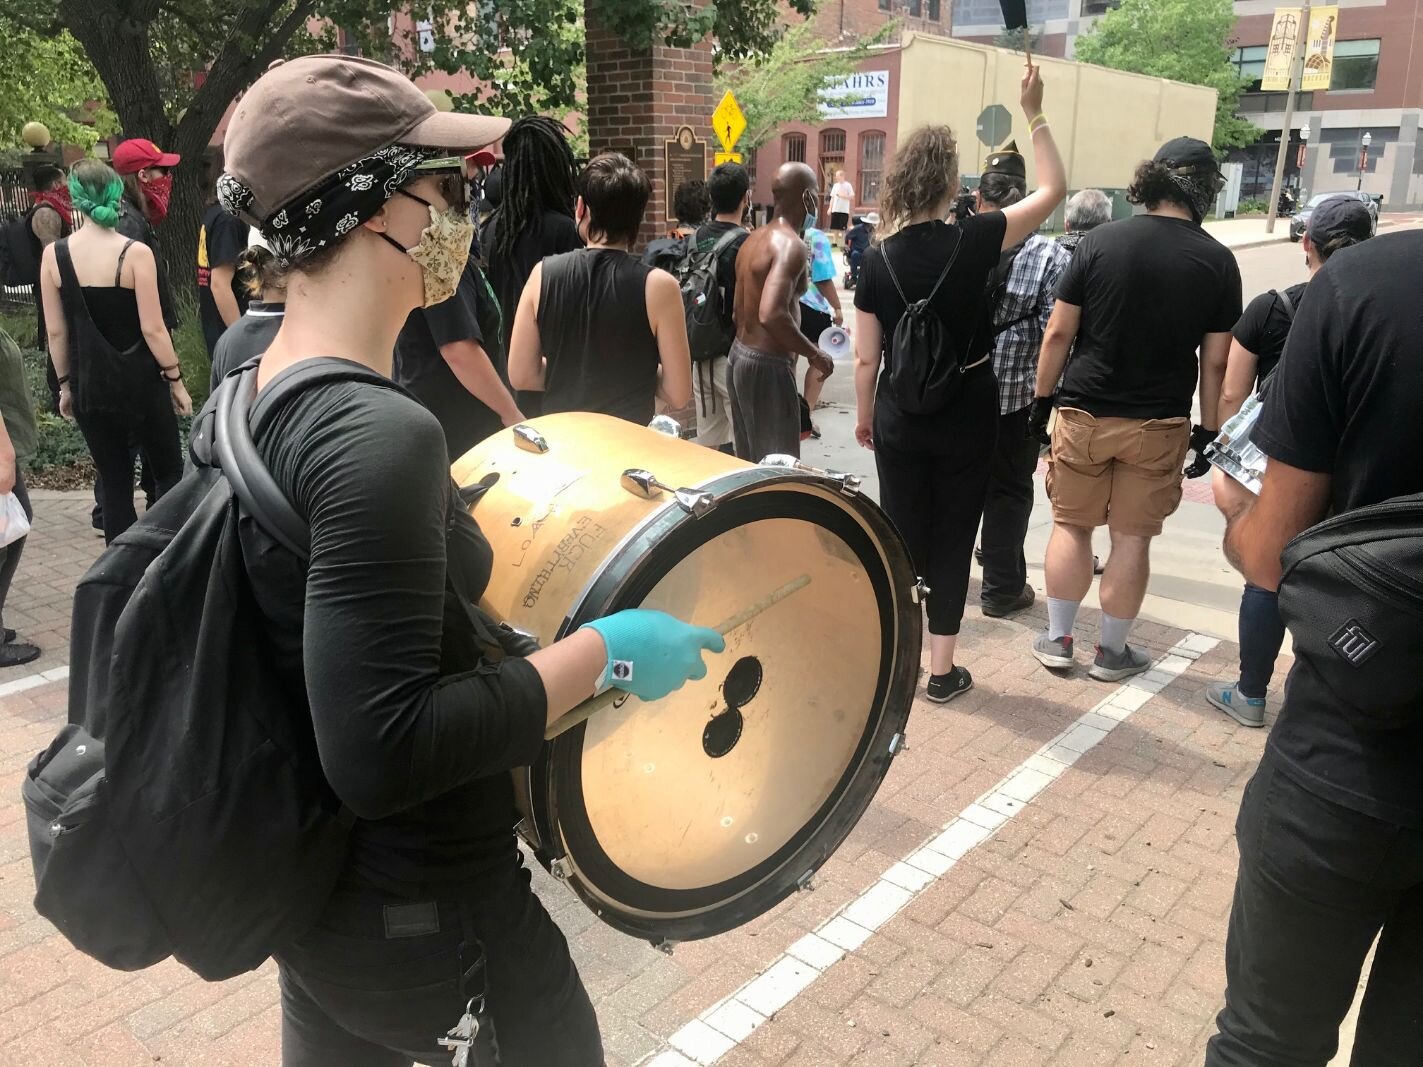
x=863 y=95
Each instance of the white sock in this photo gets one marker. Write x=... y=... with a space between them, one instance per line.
x=1061 y=614
x=1114 y=632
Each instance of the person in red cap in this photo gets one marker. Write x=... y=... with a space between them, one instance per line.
x=432 y=915
x=144 y=168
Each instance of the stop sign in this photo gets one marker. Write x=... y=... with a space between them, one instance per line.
x=995 y=123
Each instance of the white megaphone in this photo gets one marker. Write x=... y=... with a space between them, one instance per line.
x=834 y=341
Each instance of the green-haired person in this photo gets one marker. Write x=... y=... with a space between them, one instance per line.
x=119 y=378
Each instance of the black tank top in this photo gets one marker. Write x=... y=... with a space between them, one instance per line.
x=602 y=355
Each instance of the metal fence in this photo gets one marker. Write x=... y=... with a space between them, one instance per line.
x=15 y=200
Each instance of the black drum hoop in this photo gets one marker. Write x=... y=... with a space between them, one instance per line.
x=632 y=572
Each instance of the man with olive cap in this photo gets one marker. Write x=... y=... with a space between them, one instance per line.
x=1138 y=299
x=1018 y=302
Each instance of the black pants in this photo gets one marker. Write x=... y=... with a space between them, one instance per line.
x=10 y=554
x=1007 y=508
x=1317 y=882
x=377 y=983
x=111 y=438
x=934 y=494
x=1262 y=632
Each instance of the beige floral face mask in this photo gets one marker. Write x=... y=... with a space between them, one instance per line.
x=441 y=252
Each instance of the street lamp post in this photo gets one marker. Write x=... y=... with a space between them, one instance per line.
x=1367 y=140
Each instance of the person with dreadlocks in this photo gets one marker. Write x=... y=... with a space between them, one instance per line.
x=535 y=214
x=1138 y=299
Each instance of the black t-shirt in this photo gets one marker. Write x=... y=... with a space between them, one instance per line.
x=1263 y=327
x=918 y=254
x=708 y=234
x=415 y=734
x=1150 y=288
x=1345 y=401
x=249 y=336
x=221 y=240
x=472 y=314
x=553 y=232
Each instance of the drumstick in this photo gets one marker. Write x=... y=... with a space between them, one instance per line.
x=593 y=705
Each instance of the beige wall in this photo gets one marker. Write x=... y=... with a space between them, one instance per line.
x=1105 y=121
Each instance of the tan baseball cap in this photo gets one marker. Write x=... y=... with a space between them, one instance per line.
x=307 y=118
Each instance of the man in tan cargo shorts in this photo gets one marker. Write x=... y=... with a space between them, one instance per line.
x=1138 y=299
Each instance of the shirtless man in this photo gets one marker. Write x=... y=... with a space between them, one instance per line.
x=772 y=270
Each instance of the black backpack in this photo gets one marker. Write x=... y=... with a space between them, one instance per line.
x=184 y=811
x=1351 y=595
x=925 y=364
x=19 y=251
x=709 y=328
x=997 y=289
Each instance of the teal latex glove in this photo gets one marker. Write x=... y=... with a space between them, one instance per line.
x=651 y=654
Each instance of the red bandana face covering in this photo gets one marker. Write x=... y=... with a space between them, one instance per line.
x=59 y=200
x=157 y=193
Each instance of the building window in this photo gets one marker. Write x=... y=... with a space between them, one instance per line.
x=871 y=166
x=832 y=143
x=933 y=10
x=1250 y=64
x=886 y=5
x=1356 y=64
x=916 y=9
x=793 y=148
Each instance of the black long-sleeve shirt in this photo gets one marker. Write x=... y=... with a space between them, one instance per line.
x=415 y=735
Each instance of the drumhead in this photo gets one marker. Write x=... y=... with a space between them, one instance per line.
x=688 y=816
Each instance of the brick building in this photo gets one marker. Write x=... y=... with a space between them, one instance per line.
x=1377 y=89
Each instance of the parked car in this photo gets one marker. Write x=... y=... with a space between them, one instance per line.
x=1299 y=222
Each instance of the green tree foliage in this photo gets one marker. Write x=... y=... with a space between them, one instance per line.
x=1185 y=40
x=784 y=84
x=48 y=79
x=170 y=68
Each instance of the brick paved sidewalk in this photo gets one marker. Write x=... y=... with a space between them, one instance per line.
x=1088 y=929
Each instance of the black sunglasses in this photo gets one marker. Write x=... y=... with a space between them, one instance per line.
x=453 y=188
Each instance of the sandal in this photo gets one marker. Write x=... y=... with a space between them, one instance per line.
x=14 y=654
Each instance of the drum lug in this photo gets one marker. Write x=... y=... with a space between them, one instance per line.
x=665 y=424
x=664 y=946
x=529 y=439
x=920 y=592
x=644 y=483
x=559 y=869
x=849 y=483
x=898 y=744
x=806 y=882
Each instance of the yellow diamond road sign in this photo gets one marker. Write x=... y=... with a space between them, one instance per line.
x=728 y=122
x=728 y=157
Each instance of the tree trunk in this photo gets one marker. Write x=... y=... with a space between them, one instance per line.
x=115 y=36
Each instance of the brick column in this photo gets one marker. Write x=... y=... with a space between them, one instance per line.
x=637 y=100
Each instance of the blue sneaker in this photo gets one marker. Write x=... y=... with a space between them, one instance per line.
x=1248 y=711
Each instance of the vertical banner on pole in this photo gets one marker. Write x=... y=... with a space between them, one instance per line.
x=1319 y=47
x=1280 y=53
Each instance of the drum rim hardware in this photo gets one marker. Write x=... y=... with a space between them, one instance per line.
x=529 y=439
x=643 y=483
x=849 y=484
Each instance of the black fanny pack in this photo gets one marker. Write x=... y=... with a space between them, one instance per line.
x=1351 y=594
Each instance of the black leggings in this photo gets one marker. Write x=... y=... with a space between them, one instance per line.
x=935 y=494
x=377 y=982
x=111 y=438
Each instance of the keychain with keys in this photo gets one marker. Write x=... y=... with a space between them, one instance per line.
x=461 y=1038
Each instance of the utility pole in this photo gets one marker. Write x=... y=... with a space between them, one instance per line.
x=1296 y=77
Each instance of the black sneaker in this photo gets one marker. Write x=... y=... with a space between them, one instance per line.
x=998 y=609
x=944 y=687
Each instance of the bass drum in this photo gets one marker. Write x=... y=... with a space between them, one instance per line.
x=688 y=816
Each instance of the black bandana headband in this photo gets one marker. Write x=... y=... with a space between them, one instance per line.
x=324 y=214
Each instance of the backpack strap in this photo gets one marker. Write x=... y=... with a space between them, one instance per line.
x=1286 y=303
x=236 y=451
x=723 y=242
x=954 y=255
x=69 y=280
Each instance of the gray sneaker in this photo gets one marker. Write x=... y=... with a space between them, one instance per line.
x=1248 y=711
x=1054 y=652
x=1114 y=666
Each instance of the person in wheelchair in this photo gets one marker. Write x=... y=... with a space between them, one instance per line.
x=857 y=242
